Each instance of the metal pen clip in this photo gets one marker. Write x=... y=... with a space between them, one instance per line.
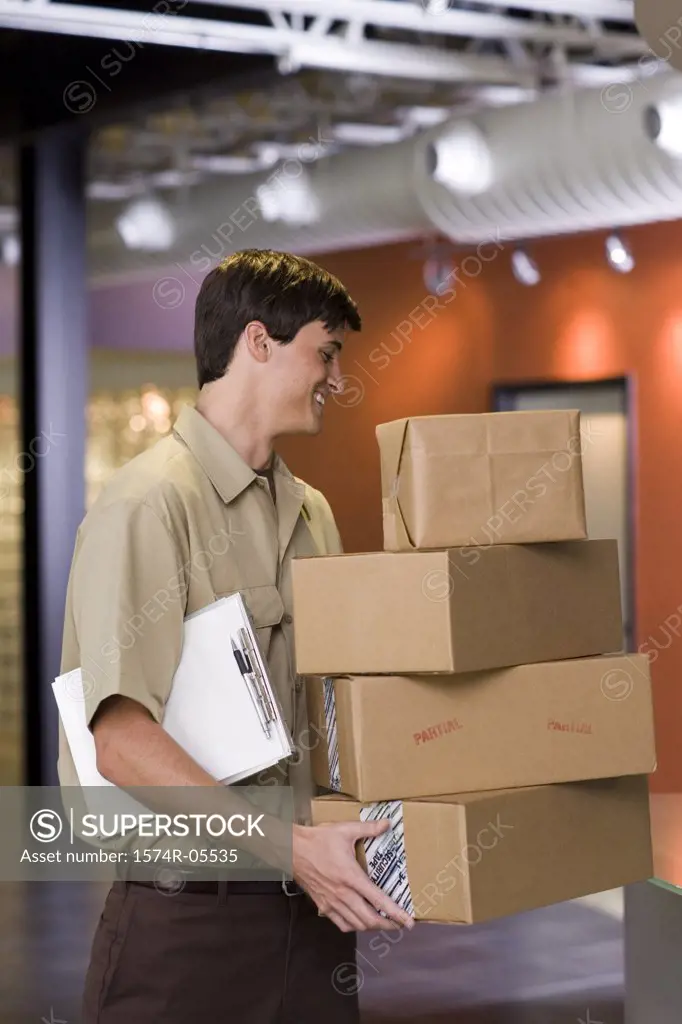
x=254 y=669
x=243 y=663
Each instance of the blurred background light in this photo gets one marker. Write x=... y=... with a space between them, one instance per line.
x=148 y=225
x=663 y=124
x=619 y=255
x=460 y=159
x=290 y=200
x=525 y=269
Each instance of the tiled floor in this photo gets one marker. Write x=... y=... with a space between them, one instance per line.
x=560 y=965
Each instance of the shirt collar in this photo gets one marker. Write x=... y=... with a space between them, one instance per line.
x=224 y=467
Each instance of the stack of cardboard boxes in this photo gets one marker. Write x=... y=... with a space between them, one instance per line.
x=473 y=656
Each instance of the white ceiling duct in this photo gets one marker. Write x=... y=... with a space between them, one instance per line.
x=571 y=162
x=363 y=196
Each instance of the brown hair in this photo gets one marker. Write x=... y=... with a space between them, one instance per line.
x=284 y=292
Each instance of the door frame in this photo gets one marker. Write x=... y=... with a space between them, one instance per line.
x=500 y=400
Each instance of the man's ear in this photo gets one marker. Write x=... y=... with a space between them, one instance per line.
x=258 y=341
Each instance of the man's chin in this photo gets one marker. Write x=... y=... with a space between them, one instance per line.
x=309 y=428
x=316 y=419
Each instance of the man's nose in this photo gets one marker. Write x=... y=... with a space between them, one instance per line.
x=335 y=379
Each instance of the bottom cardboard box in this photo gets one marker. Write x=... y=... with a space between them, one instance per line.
x=476 y=856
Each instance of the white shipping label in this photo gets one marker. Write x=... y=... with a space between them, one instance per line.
x=332 y=736
x=385 y=854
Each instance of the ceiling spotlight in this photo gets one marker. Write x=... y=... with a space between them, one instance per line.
x=148 y=225
x=619 y=255
x=111 y=190
x=228 y=163
x=436 y=273
x=291 y=200
x=526 y=270
x=663 y=125
x=461 y=160
x=364 y=134
x=10 y=250
x=288 y=64
x=418 y=116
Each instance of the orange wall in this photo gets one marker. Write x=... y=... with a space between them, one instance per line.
x=583 y=322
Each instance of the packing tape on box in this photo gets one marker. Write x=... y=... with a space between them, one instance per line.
x=385 y=854
x=332 y=735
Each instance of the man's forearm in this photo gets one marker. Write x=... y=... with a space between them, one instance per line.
x=137 y=755
x=136 y=751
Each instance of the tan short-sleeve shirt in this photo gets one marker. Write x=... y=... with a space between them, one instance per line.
x=180 y=525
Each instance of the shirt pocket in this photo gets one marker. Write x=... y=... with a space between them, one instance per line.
x=266 y=609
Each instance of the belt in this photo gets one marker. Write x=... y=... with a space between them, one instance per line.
x=272 y=888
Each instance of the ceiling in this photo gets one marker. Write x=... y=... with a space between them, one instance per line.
x=182 y=91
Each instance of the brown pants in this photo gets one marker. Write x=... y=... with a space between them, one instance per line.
x=223 y=958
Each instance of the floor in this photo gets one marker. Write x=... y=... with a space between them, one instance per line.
x=559 y=965
x=553 y=966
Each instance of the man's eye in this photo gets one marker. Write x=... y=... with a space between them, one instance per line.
x=327 y=356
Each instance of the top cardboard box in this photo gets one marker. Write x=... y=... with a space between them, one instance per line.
x=488 y=478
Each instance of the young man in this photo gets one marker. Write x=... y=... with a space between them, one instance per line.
x=211 y=510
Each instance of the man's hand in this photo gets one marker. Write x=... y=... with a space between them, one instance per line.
x=324 y=865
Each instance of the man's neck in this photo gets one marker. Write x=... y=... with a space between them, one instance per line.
x=240 y=428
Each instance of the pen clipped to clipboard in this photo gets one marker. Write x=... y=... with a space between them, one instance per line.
x=247 y=663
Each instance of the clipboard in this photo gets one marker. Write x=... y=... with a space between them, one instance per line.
x=209 y=711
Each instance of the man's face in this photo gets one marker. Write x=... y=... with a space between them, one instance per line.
x=305 y=373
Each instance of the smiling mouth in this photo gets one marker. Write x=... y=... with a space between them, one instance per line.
x=319 y=398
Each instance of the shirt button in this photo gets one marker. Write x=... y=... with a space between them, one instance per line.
x=288 y=618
